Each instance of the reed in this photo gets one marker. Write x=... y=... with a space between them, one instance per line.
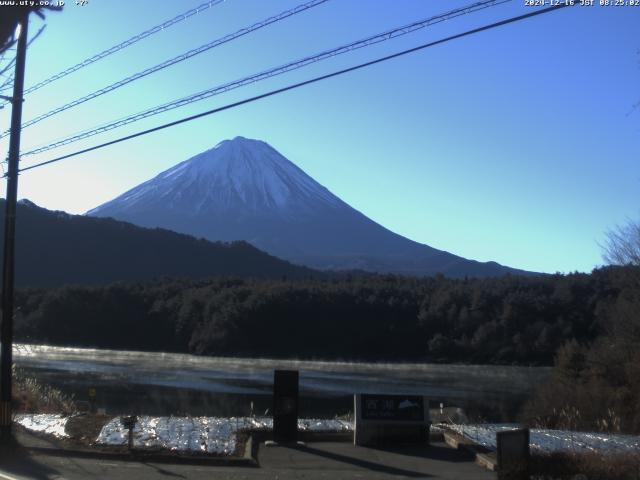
x=32 y=396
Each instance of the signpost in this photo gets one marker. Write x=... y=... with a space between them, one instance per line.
x=391 y=418
x=92 y=400
x=130 y=423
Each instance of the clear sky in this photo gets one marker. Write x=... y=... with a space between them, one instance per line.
x=514 y=145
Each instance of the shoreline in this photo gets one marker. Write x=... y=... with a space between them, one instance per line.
x=28 y=350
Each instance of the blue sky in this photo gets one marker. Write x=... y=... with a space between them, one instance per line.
x=514 y=145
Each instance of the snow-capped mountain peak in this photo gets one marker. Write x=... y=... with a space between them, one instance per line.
x=243 y=189
x=235 y=173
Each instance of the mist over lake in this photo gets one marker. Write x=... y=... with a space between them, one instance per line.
x=164 y=384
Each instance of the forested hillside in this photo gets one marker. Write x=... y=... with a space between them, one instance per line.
x=507 y=320
x=55 y=248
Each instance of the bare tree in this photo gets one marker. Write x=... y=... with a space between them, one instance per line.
x=8 y=23
x=10 y=17
x=622 y=246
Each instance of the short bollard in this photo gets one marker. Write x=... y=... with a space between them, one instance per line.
x=130 y=423
x=513 y=454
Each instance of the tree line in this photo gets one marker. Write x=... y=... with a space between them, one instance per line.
x=506 y=320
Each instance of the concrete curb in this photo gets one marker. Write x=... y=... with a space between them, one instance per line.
x=482 y=458
x=246 y=460
x=137 y=456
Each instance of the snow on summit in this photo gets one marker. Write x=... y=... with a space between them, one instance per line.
x=234 y=173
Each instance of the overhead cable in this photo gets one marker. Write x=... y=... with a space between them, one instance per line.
x=272 y=72
x=172 y=61
x=302 y=84
x=127 y=43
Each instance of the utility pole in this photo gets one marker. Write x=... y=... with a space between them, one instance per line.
x=6 y=329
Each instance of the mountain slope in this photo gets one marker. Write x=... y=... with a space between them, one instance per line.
x=54 y=248
x=244 y=189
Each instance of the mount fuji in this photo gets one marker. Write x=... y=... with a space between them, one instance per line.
x=243 y=189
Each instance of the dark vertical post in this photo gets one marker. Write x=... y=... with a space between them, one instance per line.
x=92 y=400
x=285 y=406
x=6 y=330
x=130 y=423
x=130 y=442
x=513 y=454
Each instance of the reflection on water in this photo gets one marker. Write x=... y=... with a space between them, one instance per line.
x=173 y=384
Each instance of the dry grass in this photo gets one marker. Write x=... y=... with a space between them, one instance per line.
x=585 y=466
x=31 y=396
x=583 y=407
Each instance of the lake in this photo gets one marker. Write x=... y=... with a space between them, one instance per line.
x=179 y=384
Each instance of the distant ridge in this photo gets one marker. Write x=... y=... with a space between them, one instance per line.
x=55 y=248
x=243 y=189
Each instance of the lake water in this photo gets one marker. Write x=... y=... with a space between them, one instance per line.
x=179 y=384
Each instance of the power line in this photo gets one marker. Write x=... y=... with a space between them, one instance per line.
x=127 y=43
x=294 y=65
x=304 y=83
x=172 y=61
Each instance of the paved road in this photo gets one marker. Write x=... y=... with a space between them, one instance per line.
x=333 y=461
